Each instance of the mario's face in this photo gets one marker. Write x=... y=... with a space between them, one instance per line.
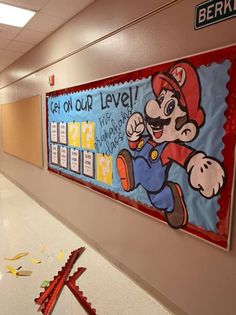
x=166 y=121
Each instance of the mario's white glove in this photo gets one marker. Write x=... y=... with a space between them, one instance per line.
x=205 y=174
x=135 y=127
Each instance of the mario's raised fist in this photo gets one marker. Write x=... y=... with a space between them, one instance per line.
x=135 y=127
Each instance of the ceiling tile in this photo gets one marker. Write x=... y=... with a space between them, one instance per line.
x=15 y=45
x=9 y=54
x=28 y=4
x=44 y=23
x=4 y=42
x=9 y=27
x=65 y=9
x=4 y=64
x=8 y=32
x=31 y=37
x=6 y=60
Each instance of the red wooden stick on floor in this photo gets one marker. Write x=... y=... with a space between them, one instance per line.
x=49 y=297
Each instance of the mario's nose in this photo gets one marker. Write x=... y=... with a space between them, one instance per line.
x=152 y=109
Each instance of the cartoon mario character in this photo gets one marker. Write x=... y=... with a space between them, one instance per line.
x=171 y=120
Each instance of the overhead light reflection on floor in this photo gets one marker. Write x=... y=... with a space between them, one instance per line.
x=5 y=222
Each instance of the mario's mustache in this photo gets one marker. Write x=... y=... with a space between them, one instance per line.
x=157 y=122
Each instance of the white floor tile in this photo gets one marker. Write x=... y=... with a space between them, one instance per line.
x=26 y=227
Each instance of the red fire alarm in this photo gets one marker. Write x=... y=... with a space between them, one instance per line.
x=51 y=79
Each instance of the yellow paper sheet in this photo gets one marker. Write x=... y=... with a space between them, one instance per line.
x=104 y=168
x=88 y=135
x=74 y=134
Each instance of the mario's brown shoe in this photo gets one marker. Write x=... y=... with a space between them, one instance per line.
x=124 y=166
x=177 y=218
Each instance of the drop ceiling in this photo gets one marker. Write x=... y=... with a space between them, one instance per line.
x=50 y=15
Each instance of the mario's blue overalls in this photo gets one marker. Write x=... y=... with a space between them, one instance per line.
x=151 y=174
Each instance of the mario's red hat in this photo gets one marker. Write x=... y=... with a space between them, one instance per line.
x=183 y=78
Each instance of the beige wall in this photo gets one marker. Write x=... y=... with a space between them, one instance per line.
x=176 y=267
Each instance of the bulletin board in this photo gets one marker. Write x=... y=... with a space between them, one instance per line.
x=22 y=130
x=160 y=140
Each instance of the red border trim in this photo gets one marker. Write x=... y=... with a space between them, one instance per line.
x=222 y=238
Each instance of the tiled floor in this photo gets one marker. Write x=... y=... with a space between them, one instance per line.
x=27 y=227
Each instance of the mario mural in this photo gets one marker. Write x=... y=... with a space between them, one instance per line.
x=171 y=120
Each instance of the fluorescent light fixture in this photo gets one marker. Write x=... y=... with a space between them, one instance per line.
x=15 y=16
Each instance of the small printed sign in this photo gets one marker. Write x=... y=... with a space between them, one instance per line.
x=214 y=11
x=88 y=164
x=63 y=157
x=63 y=133
x=54 y=132
x=75 y=160
x=54 y=154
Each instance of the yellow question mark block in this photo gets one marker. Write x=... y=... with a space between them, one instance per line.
x=104 y=168
x=74 y=134
x=88 y=135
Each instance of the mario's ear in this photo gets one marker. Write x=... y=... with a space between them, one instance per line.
x=187 y=132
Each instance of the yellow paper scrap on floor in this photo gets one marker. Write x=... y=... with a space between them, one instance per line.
x=42 y=249
x=35 y=261
x=12 y=270
x=61 y=255
x=16 y=257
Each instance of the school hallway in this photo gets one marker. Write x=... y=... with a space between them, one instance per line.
x=117 y=157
